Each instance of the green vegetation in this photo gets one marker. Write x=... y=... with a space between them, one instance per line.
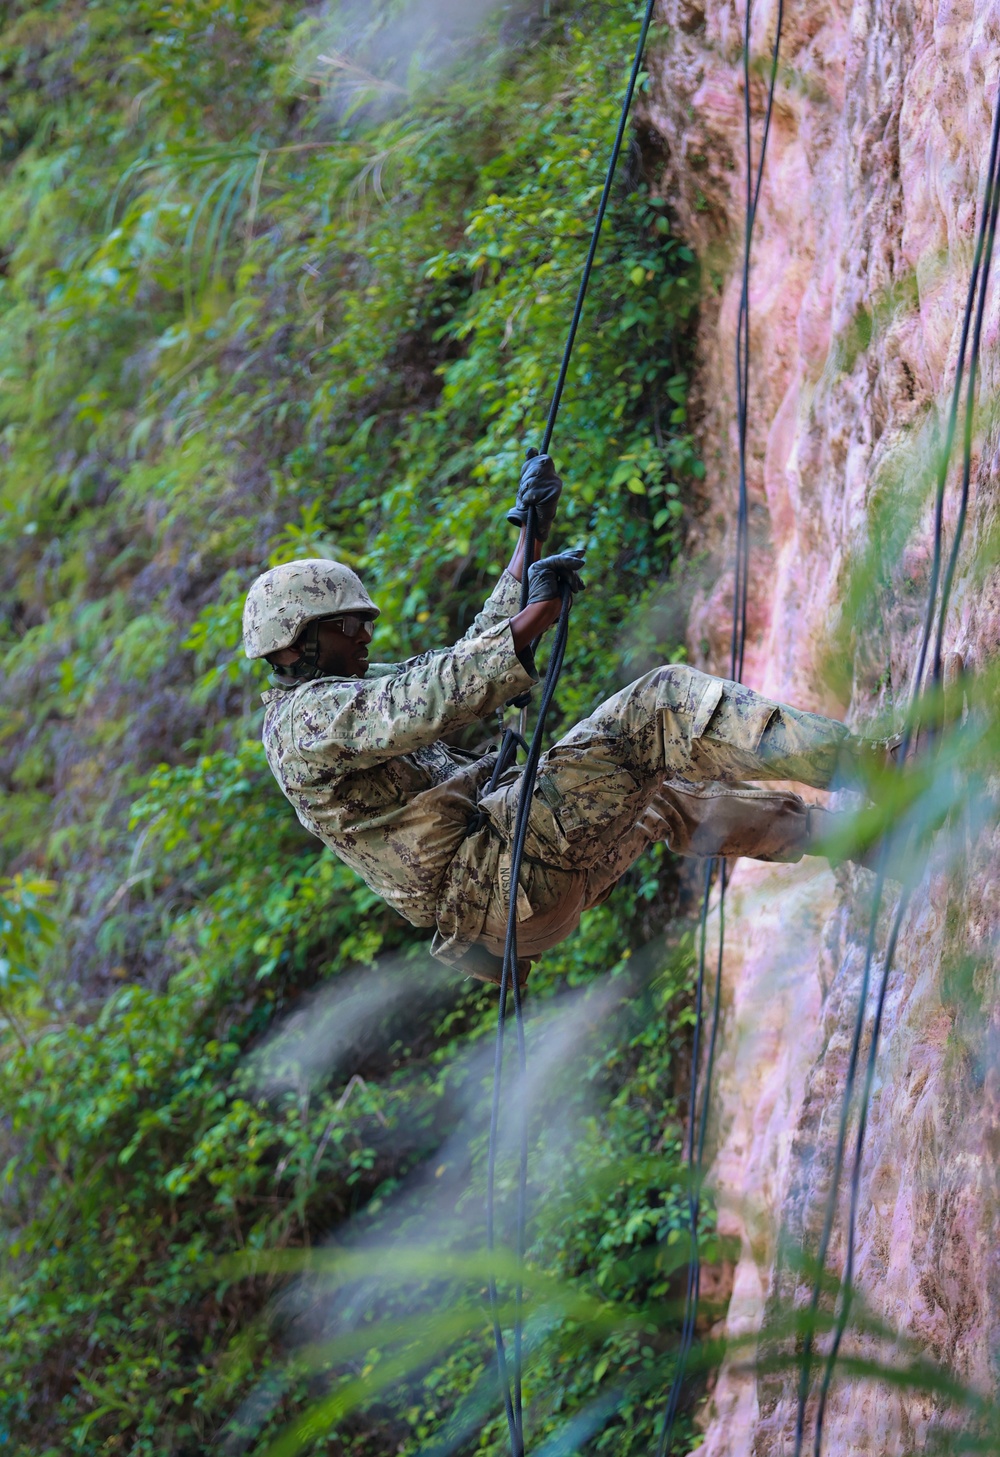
x=271 y=288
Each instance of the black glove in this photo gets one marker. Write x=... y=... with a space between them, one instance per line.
x=540 y=487
x=546 y=578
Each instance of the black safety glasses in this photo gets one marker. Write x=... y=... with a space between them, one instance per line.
x=352 y=625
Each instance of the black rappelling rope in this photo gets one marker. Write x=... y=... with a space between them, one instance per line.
x=511 y=1390
x=696 y=1148
x=695 y=1152
x=739 y=631
x=975 y=298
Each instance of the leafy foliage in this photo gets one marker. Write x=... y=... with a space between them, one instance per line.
x=25 y=929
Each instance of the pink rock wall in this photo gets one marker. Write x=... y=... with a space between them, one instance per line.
x=862 y=254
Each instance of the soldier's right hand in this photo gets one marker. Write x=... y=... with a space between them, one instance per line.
x=547 y=577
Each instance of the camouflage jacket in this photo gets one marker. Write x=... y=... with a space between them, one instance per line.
x=361 y=762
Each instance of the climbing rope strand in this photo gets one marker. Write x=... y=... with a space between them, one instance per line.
x=805 y=1364
x=847 y=1284
x=529 y=775
x=690 y=1300
x=975 y=298
x=508 y=745
x=753 y=190
x=953 y=413
x=716 y=1007
x=737 y=646
x=510 y=1373
x=990 y=207
x=503 y=1373
x=696 y=1150
x=581 y=296
x=740 y=571
x=513 y=1404
x=511 y=1392
x=551 y=679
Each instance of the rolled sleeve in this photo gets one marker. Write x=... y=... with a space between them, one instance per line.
x=500 y=606
x=502 y=603
x=351 y=724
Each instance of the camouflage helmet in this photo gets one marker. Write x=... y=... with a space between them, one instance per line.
x=283 y=600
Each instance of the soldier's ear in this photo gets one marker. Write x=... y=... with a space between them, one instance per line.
x=284 y=657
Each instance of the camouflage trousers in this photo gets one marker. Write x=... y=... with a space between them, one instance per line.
x=662 y=760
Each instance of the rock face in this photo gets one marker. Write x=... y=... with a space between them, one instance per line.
x=863 y=248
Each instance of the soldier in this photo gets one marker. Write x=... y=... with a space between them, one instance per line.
x=357 y=748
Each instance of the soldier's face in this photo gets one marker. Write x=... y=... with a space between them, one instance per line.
x=340 y=655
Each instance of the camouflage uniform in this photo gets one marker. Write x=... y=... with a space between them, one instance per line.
x=362 y=763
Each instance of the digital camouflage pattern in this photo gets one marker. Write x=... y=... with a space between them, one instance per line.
x=663 y=760
x=280 y=602
x=362 y=763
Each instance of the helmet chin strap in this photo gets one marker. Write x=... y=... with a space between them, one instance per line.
x=306 y=667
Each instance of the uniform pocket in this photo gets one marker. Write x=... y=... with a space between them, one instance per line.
x=738 y=717
x=585 y=790
x=710 y=700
